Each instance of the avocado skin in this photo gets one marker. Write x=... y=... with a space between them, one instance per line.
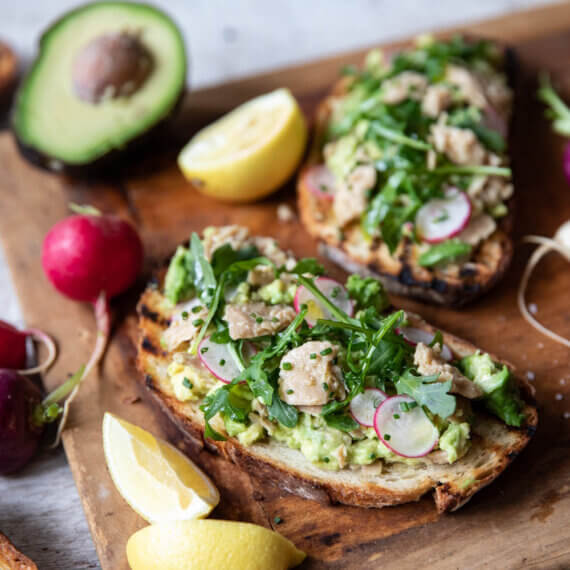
x=115 y=159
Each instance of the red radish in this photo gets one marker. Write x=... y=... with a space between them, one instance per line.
x=13 y=348
x=405 y=430
x=219 y=360
x=363 y=406
x=443 y=218
x=92 y=257
x=414 y=336
x=331 y=289
x=321 y=181
x=23 y=414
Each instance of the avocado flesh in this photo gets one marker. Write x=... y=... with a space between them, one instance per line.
x=51 y=119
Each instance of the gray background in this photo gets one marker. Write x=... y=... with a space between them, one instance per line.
x=40 y=508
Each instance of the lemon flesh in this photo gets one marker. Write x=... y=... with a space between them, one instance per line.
x=159 y=482
x=249 y=152
x=210 y=545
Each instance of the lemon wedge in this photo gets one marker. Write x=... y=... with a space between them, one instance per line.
x=210 y=545
x=249 y=152
x=159 y=482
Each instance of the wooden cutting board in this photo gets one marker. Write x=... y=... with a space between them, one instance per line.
x=519 y=521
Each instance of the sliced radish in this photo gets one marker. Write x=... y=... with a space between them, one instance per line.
x=413 y=336
x=321 y=181
x=183 y=311
x=219 y=360
x=363 y=406
x=443 y=218
x=331 y=289
x=407 y=433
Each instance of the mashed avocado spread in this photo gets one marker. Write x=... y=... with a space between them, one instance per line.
x=262 y=368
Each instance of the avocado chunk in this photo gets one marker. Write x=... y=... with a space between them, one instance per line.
x=105 y=75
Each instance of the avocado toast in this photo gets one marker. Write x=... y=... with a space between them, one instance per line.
x=319 y=385
x=408 y=177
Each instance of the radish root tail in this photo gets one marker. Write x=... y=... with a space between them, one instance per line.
x=546 y=245
x=48 y=342
x=103 y=322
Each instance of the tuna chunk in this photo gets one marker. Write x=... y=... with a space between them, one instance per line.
x=479 y=228
x=468 y=85
x=436 y=100
x=182 y=327
x=408 y=84
x=429 y=362
x=461 y=146
x=306 y=381
x=236 y=236
x=250 y=320
x=351 y=198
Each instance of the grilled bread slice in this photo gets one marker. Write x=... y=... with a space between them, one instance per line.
x=494 y=445
x=453 y=285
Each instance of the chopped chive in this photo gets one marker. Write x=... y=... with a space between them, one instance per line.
x=258 y=320
x=396 y=416
x=335 y=292
x=326 y=351
x=287 y=366
x=313 y=355
x=197 y=308
x=372 y=456
x=198 y=322
x=325 y=386
x=326 y=459
x=387 y=436
x=204 y=349
x=277 y=520
x=290 y=391
x=184 y=315
x=222 y=362
x=187 y=384
x=274 y=320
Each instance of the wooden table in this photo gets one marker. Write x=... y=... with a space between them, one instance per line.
x=520 y=520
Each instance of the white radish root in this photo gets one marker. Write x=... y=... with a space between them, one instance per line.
x=560 y=243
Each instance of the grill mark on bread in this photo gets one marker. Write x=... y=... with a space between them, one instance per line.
x=148 y=346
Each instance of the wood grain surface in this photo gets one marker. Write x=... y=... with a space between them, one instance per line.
x=519 y=521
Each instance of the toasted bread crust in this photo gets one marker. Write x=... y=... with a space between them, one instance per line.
x=400 y=273
x=494 y=445
x=11 y=558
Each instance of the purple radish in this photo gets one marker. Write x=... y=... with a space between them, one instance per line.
x=363 y=406
x=443 y=218
x=331 y=289
x=404 y=429
x=23 y=415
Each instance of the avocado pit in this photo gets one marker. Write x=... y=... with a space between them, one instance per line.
x=110 y=66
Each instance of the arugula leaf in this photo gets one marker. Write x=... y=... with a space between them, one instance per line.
x=341 y=421
x=428 y=392
x=284 y=413
x=444 y=251
x=308 y=265
x=204 y=279
x=367 y=292
x=224 y=401
x=226 y=255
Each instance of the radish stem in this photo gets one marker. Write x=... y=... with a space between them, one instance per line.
x=102 y=320
x=45 y=339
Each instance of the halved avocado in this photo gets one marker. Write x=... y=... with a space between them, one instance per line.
x=105 y=75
